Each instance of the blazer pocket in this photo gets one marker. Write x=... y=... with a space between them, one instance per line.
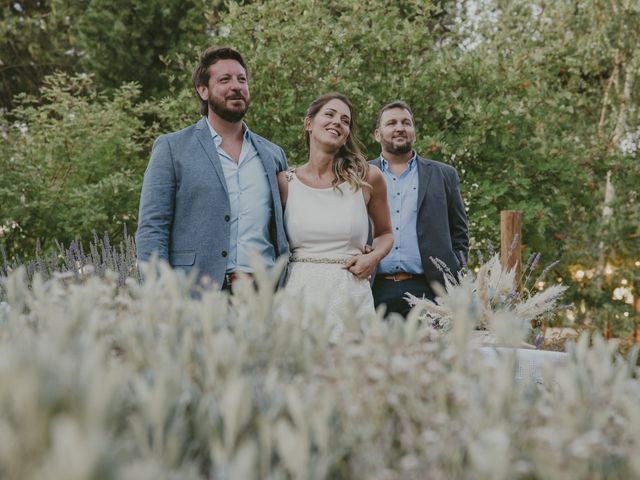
x=182 y=258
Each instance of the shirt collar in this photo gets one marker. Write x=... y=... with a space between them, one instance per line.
x=384 y=164
x=217 y=139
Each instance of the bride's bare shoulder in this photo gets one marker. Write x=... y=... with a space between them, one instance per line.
x=284 y=178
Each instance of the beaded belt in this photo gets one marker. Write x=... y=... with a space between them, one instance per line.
x=294 y=258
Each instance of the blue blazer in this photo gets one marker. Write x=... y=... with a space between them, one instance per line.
x=441 y=223
x=184 y=205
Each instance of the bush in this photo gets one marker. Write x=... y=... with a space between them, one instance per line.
x=71 y=166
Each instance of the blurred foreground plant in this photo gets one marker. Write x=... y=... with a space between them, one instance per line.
x=148 y=382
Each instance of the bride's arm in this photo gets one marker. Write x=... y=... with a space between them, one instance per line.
x=363 y=265
x=283 y=187
x=378 y=209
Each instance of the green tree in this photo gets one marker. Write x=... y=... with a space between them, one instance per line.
x=35 y=40
x=130 y=41
x=576 y=65
x=71 y=166
x=115 y=41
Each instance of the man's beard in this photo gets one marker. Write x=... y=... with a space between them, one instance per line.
x=220 y=108
x=398 y=149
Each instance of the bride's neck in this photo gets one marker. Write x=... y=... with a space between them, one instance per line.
x=320 y=164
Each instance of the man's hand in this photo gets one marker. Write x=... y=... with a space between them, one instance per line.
x=363 y=265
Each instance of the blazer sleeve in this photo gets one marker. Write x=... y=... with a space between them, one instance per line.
x=458 y=225
x=157 y=203
x=283 y=165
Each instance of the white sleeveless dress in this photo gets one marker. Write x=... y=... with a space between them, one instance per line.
x=326 y=227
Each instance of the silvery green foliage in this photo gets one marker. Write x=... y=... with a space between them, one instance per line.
x=154 y=381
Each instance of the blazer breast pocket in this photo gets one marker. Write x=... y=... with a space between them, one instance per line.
x=184 y=259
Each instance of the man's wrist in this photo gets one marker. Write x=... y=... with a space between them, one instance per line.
x=375 y=255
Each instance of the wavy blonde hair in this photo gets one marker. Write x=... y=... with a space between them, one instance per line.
x=349 y=164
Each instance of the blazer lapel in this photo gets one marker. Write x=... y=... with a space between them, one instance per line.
x=208 y=145
x=425 y=172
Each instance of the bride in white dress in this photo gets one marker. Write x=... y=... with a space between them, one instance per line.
x=328 y=203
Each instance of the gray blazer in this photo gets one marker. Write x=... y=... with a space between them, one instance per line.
x=184 y=206
x=442 y=221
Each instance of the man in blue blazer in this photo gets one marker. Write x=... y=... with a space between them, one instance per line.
x=209 y=197
x=427 y=214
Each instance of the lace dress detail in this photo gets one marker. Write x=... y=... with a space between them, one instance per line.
x=325 y=228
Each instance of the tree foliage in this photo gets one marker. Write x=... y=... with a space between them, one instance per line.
x=115 y=41
x=35 y=40
x=72 y=165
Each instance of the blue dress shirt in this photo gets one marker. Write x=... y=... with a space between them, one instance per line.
x=402 y=194
x=250 y=202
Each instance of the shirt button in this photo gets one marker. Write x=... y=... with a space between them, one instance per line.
x=397 y=228
x=224 y=253
x=397 y=211
x=227 y=218
x=399 y=192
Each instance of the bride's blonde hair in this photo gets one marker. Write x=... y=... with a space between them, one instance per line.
x=349 y=164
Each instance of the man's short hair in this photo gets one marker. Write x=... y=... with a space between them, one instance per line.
x=211 y=55
x=389 y=106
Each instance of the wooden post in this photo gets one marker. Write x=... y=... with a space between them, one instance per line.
x=510 y=246
x=607 y=330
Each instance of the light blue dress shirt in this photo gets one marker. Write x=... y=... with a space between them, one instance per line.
x=250 y=201
x=402 y=194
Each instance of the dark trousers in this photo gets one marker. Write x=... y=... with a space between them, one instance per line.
x=392 y=293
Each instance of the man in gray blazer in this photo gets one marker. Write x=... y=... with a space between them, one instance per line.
x=209 y=197
x=427 y=214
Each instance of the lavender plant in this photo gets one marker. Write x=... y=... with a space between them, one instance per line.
x=75 y=263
